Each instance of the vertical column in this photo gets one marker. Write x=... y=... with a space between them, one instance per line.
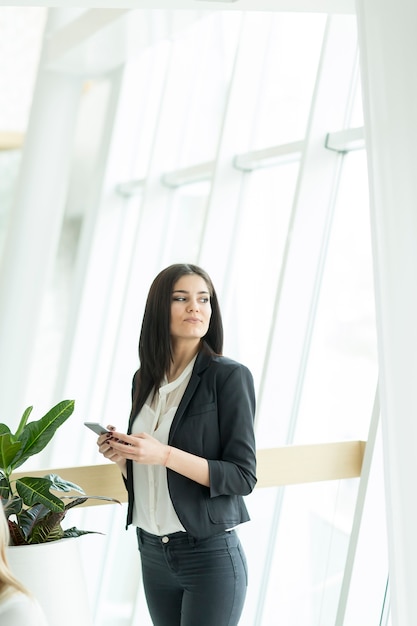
x=388 y=48
x=35 y=225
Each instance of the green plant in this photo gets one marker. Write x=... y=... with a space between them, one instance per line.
x=37 y=512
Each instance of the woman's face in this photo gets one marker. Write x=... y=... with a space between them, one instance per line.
x=190 y=308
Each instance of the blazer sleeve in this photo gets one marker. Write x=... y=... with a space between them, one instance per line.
x=235 y=472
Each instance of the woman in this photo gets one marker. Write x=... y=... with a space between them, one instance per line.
x=188 y=456
x=17 y=606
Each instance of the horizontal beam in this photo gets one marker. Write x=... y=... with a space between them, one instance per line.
x=131 y=187
x=346 y=140
x=287 y=465
x=269 y=157
x=189 y=175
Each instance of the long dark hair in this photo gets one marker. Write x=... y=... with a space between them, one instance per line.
x=155 y=348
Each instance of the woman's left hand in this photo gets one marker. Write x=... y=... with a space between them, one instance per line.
x=145 y=449
x=140 y=448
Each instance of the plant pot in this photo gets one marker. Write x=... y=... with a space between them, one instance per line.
x=53 y=572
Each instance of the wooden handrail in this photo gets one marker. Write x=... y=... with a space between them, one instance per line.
x=291 y=465
x=287 y=465
x=11 y=140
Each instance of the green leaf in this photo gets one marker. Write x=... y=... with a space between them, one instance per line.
x=60 y=484
x=36 y=491
x=37 y=434
x=12 y=506
x=48 y=528
x=23 y=421
x=28 y=519
x=76 y=532
x=17 y=538
x=5 y=490
x=43 y=534
x=10 y=450
x=77 y=500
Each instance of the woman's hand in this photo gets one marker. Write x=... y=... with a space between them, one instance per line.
x=145 y=449
x=140 y=448
x=108 y=452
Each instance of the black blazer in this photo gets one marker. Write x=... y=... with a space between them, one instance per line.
x=214 y=420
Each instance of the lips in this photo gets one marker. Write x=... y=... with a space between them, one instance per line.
x=192 y=320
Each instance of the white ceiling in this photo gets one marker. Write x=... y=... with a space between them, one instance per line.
x=308 y=6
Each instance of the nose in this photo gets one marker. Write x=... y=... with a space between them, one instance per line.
x=193 y=304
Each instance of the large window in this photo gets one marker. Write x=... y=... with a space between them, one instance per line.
x=208 y=146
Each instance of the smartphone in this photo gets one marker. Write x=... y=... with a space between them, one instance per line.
x=97 y=428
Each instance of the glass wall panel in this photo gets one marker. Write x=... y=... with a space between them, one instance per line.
x=341 y=374
x=356 y=118
x=201 y=65
x=298 y=558
x=196 y=80
x=186 y=221
x=289 y=74
x=261 y=237
x=367 y=601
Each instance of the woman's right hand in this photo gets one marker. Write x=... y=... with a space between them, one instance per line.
x=108 y=452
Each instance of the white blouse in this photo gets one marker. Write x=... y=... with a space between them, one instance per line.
x=153 y=510
x=19 y=609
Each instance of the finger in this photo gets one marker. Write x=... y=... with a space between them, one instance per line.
x=104 y=444
x=143 y=436
x=123 y=447
x=122 y=438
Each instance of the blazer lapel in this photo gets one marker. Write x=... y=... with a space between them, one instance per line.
x=202 y=361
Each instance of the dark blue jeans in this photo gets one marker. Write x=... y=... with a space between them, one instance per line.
x=191 y=582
